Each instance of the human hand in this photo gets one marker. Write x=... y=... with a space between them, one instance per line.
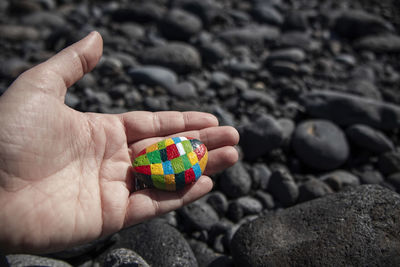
x=66 y=176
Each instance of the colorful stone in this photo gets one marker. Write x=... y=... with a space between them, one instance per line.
x=171 y=163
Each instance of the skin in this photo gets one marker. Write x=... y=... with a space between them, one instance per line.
x=66 y=176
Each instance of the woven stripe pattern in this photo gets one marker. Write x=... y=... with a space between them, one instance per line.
x=171 y=163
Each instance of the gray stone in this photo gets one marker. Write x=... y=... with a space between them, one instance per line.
x=25 y=260
x=369 y=139
x=235 y=181
x=199 y=216
x=249 y=205
x=261 y=175
x=346 y=109
x=290 y=54
x=320 y=144
x=158 y=243
x=124 y=257
x=340 y=179
x=389 y=162
x=267 y=14
x=358 y=227
x=313 y=188
x=181 y=58
x=179 y=25
x=260 y=136
x=18 y=33
x=250 y=35
x=154 y=76
x=381 y=44
x=283 y=187
x=218 y=202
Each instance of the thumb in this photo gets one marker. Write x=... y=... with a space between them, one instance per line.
x=62 y=70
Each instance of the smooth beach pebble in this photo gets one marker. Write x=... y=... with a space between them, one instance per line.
x=171 y=163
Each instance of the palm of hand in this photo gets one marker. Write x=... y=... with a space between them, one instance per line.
x=65 y=176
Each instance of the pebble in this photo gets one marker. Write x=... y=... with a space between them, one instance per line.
x=297 y=235
x=158 y=243
x=354 y=24
x=250 y=35
x=235 y=211
x=218 y=202
x=260 y=136
x=203 y=253
x=313 y=188
x=346 y=109
x=389 y=162
x=293 y=55
x=267 y=14
x=235 y=181
x=179 y=25
x=371 y=177
x=340 y=179
x=266 y=199
x=261 y=97
x=320 y=144
x=19 y=33
x=364 y=88
x=25 y=260
x=124 y=257
x=199 y=216
x=249 y=205
x=141 y=13
x=283 y=68
x=296 y=39
x=171 y=163
x=369 y=139
x=381 y=44
x=260 y=176
x=213 y=52
x=154 y=76
x=179 y=57
x=283 y=187
x=132 y=30
x=207 y=10
x=288 y=126
x=394 y=179
x=44 y=19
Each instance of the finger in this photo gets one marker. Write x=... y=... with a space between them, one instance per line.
x=142 y=124
x=149 y=203
x=62 y=70
x=220 y=159
x=212 y=137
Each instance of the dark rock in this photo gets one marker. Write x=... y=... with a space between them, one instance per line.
x=266 y=199
x=288 y=126
x=154 y=76
x=199 y=216
x=207 y=10
x=146 y=12
x=44 y=19
x=294 y=55
x=369 y=139
x=219 y=79
x=179 y=57
x=24 y=260
x=13 y=67
x=267 y=14
x=251 y=35
x=389 y=162
x=338 y=180
x=179 y=25
x=203 y=253
x=394 y=179
x=235 y=181
x=249 y=205
x=283 y=187
x=371 y=177
x=346 y=59
x=218 y=202
x=260 y=137
x=296 y=39
x=124 y=257
x=132 y=30
x=239 y=67
x=154 y=240
x=320 y=144
x=296 y=20
x=213 y=52
x=218 y=245
x=283 y=68
x=260 y=176
x=224 y=117
x=354 y=24
x=346 y=110
x=313 y=188
x=222 y=261
x=110 y=66
x=381 y=44
x=18 y=33
x=364 y=88
x=156 y=103
x=184 y=91
x=290 y=237
x=235 y=211
x=258 y=96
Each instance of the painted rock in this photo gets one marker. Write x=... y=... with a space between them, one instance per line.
x=171 y=163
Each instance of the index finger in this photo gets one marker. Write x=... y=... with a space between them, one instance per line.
x=142 y=124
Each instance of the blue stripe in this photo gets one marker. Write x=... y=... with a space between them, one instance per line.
x=167 y=167
x=197 y=170
x=176 y=140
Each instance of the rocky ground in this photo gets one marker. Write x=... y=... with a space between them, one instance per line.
x=313 y=88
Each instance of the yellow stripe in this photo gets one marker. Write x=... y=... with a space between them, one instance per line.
x=203 y=162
